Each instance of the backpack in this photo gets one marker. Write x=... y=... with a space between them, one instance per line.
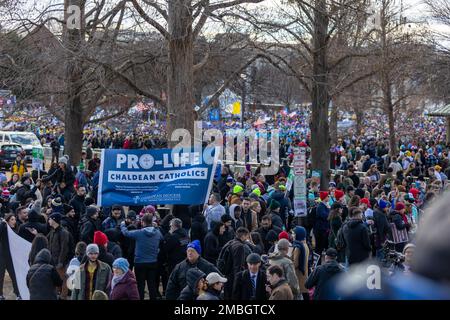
x=225 y=261
x=340 y=240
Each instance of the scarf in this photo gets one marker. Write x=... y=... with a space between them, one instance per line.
x=116 y=279
x=301 y=256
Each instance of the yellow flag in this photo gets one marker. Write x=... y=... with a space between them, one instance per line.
x=236 y=108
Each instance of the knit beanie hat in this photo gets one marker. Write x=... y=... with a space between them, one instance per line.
x=338 y=194
x=92 y=248
x=196 y=246
x=122 y=264
x=100 y=238
x=56 y=217
x=283 y=235
x=323 y=195
x=237 y=189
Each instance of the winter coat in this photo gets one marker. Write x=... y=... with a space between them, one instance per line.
x=284 y=203
x=300 y=276
x=321 y=224
x=24 y=192
x=63 y=175
x=281 y=291
x=250 y=219
x=174 y=247
x=148 y=242
x=33 y=222
x=114 y=249
x=102 y=280
x=320 y=278
x=58 y=244
x=357 y=241
x=70 y=224
x=125 y=289
x=212 y=246
x=239 y=251
x=210 y=294
x=78 y=205
x=382 y=227
x=242 y=289
x=199 y=228
x=277 y=220
x=190 y=291
x=19 y=168
x=177 y=279
x=263 y=233
x=87 y=229
x=105 y=256
x=288 y=267
x=42 y=278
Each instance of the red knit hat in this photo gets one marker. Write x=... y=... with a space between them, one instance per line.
x=323 y=195
x=399 y=206
x=283 y=235
x=365 y=201
x=415 y=192
x=338 y=194
x=100 y=238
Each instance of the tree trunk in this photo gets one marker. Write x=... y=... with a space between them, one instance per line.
x=389 y=109
x=73 y=112
x=359 y=121
x=320 y=139
x=180 y=78
x=334 y=123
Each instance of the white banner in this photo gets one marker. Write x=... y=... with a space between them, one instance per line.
x=300 y=182
x=20 y=250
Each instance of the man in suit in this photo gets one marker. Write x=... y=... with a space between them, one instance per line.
x=251 y=283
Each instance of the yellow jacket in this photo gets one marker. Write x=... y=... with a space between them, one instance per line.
x=19 y=168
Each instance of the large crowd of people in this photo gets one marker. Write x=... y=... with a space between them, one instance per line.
x=245 y=244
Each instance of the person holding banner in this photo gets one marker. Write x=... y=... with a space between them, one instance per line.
x=5 y=256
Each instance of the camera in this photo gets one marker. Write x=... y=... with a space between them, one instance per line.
x=391 y=256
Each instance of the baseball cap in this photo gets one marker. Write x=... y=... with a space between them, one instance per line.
x=214 y=277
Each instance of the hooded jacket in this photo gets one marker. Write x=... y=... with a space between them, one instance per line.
x=42 y=278
x=178 y=277
x=320 y=278
x=190 y=291
x=357 y=241
x=148 y=241
x=212 y=245
x=236 y=222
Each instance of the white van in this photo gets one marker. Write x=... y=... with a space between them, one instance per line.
x=27 y=140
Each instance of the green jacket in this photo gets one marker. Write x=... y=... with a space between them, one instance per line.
x=102 y=279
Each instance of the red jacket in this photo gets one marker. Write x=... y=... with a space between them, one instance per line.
x=127 y=144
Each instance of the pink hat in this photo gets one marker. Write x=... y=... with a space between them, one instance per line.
x=147 y=209
x=6 y=193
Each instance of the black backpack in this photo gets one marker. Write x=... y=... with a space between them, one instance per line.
x=225 y=261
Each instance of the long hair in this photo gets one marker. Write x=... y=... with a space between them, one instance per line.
x=39 y=242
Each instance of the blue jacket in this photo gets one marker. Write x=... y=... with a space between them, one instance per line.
x=147 y=243
x=322 y=225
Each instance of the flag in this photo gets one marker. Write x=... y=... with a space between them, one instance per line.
x=236 y=108
x=17 y=252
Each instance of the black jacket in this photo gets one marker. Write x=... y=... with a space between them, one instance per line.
x=25 y=192
x=263 y=232
x=177 y=279
x=199 y=228
x=193 y=276
x=42 y=278
x=71 y=225
x=67 y=176
x=382 y=227
x=357 y=241
x=78 y=205
x=242 y=289
x=174 y=247
x=320 y=278
x=33 y=218
x=212 y=246
x=87 y=228
x=115 y=250
x=105 y=256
